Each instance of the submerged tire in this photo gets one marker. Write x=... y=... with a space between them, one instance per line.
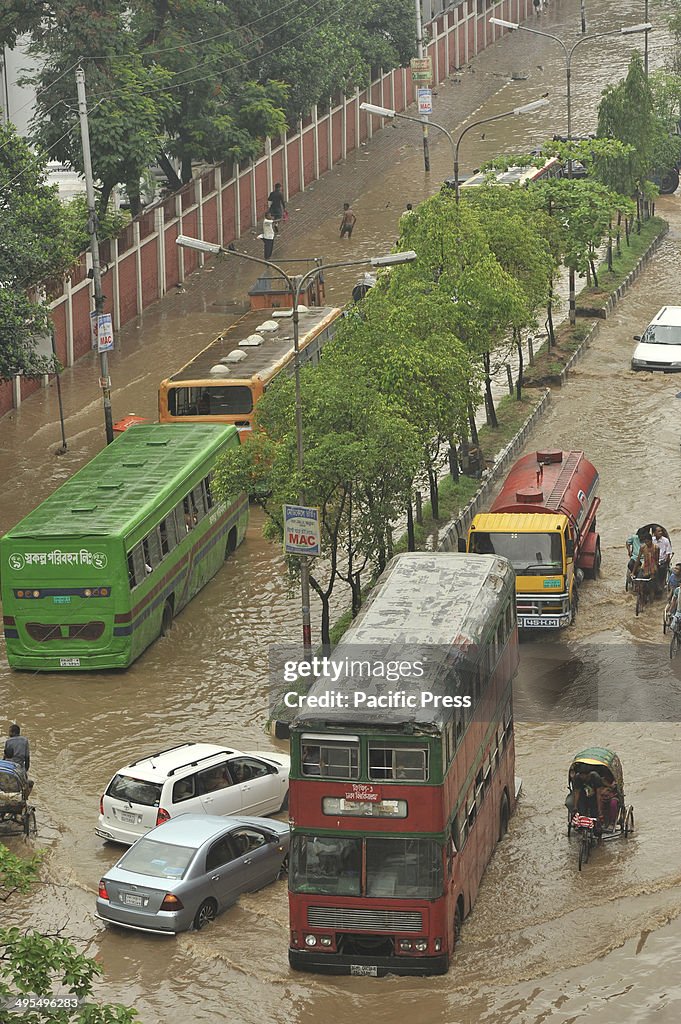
x=206 y=913
x=504 y=815
x=167 y=618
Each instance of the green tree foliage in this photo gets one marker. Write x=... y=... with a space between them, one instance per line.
x=319 y=50
x=360 y=459
x=46 y=965
x=34 y=246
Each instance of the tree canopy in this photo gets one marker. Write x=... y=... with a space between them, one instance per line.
x=35 y=244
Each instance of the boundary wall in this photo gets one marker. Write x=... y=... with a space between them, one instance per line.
x=226 y=201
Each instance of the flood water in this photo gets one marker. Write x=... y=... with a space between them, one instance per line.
x=544 y=942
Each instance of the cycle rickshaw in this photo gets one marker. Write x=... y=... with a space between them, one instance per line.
x=16 y=814
x=643 y=588
x=596 y=808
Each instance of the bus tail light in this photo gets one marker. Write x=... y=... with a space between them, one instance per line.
x=162 y=816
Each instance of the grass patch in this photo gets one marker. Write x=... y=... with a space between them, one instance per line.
x=609 y=281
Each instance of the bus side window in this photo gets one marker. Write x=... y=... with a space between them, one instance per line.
x=472 y=811
x=148 y=565
x=501 y=737
x=136 y=564
x=189 y=513
x=479 y=793
x=199 y=500
x=166 y=529
x=132 y=580
x=207 y=493
x=462 y=827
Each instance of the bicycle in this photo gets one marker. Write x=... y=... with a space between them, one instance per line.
x=641 y=586
x=675 y=643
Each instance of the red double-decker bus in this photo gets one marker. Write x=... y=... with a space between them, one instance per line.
x=402 y=770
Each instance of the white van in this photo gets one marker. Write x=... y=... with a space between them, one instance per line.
x=659 y=348
x=192 y=778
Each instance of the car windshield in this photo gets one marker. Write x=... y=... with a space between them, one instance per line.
x=530 y=554
x=397 y=868
x=135 y=791
x=660 y=334
x=157 y=859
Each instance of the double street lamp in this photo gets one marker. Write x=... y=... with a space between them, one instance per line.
x=526 y=108
x=296 y=286
x=627 y=30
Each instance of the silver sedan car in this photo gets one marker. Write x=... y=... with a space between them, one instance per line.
x=184 y=872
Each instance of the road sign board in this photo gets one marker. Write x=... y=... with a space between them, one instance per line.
x=105 y=341
x=425 y=99
x=421 y=64
x=301 y=530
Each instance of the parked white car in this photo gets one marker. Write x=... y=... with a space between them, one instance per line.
x=192 y=778
x=659 y=347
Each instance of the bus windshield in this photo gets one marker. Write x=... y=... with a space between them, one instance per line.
x=530 y=554
x=398 y=868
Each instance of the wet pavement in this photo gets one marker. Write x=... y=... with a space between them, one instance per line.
x=545 y=942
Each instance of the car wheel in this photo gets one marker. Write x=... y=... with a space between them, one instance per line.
x=206 y=913
x=283 y=868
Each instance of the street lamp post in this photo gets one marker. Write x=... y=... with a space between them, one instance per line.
x=387 y=112
x=627 y=30
x=296 y=286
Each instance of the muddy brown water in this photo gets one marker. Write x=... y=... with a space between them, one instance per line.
x=544 y=943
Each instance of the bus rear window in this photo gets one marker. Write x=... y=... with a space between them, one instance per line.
x=221 y=400
x=407 y=764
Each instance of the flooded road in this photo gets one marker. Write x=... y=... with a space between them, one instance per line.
x=544 y=943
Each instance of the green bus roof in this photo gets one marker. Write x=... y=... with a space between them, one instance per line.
x=117 y=489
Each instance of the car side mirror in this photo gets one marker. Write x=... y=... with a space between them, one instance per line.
x=570 y=548
x=637 y=337
x=461 y=545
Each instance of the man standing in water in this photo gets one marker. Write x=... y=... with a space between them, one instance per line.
x=348 y=221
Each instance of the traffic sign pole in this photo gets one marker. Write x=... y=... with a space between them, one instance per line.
x=421 y=57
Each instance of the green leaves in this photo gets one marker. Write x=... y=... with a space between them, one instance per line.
x=46 y=965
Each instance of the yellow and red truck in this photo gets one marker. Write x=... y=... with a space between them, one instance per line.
x=544 y=522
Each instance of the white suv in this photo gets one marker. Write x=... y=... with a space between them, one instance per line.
x=192 y=778
x=659 y=348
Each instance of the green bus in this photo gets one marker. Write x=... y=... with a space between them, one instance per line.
x=98 y=571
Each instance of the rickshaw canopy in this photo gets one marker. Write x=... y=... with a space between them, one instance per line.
x=596 y=757
x=15 y=778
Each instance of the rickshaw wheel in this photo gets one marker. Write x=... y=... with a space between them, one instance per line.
x=29 y=822
x=584 y=850
x=627 y=582
x=664 y=624
x=629 y=821
x=569 y=824
x=639 y=604
x=674 y=645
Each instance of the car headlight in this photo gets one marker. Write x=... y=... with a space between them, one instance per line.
x=310 y=940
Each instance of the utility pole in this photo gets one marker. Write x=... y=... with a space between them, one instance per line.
x=104 y=381
x=645 y=52
x=583 y=16
x=424 y=117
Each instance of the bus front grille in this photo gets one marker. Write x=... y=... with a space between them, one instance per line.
x=365 y=920
x=43 y=632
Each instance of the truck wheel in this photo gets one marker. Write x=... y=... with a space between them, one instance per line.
x=596 y=568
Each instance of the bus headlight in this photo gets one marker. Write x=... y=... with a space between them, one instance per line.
x=325 y=940
x=421 y=946
x=310 y=940
x=437 y=945
x=405 y=945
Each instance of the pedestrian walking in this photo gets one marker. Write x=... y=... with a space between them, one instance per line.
x=348 y=221
x=17 y=748
x=267 y=236
x=277 y=203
